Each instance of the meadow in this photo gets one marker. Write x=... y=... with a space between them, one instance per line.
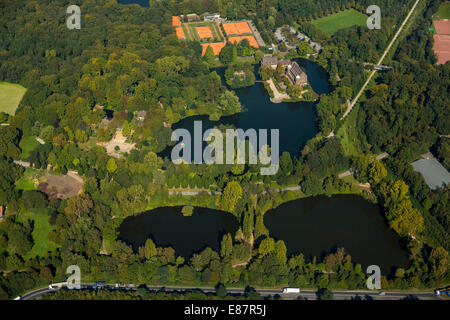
x=443 y=12
x=344 y=19
x=10 y=96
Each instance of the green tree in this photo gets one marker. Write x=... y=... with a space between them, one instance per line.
x=226 y=246
x=231 y=195
x=111 y=166
x=149 y=249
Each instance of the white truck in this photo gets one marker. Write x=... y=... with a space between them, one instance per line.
x=291 y=290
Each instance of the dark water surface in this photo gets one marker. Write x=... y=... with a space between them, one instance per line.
x=143 y=3
x=319 y=225
x=187 y=235
x=296 y=121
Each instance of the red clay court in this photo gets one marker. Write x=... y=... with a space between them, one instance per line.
x=216 y=46
x=442 y=40
x=251 y=40
x=204 y=32
x=442 y=26
x=236 y=28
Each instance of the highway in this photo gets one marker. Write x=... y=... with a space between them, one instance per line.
x=309 y=294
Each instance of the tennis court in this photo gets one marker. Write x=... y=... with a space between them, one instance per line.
x=204 y=32
x=251 y=40
x=216 y=46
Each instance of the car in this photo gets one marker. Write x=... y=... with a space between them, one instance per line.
x=382 y=293
x=18 y=298
x=51 y=287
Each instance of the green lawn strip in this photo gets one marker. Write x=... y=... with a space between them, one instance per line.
x=27 y=144
x=194 y=34
x=41 y=229
x=186 y=33
x=443 y=12
x=10 y=96
x=217 y=31
x=344 y=19
x=349 y=134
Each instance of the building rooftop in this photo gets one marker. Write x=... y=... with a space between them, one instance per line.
x=435 y=175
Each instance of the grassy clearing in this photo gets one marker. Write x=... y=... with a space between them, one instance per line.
x=10 y=96
x=351 y=138
x=41 y=229
x=30 y=179
x=443 y=12
x=344 y=19
x=27 y=144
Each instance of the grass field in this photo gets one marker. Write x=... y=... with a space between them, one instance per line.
x=345 y=19
x=30 y=176
x=40 y=231
x=27 y=144
x=443 y=12
x=10 y=96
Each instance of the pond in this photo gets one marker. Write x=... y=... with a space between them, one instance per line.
x=295 y=120
x=143 y=3
x=319 y=225
x=168 y=227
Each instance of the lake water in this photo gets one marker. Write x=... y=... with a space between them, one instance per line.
x=296 y=121
x=319 y=225
x=187 y=235
x=313 y=226
x=143 y=3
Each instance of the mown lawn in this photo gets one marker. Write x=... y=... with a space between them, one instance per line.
x=27 y=144
x=443 y=12
x=28 y=178
x=10 y=96
x=40 y=231
x=344 y=19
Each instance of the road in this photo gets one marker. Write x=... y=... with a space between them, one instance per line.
x=380 y=61
x=309 y=294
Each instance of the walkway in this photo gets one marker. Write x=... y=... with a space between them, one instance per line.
x=349 y=109
x=278 y=96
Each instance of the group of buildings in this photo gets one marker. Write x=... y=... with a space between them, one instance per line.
x=300 y=36
x=291 y=69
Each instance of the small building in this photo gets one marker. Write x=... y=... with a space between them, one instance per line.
x=434 y=173
x=269 y=62
x=192 y=17
x=211 y=16
x=296 y=75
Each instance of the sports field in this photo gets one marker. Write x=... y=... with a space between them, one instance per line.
x=443 y=12
x=345 y=19
x=10 y=96
x=200 y=31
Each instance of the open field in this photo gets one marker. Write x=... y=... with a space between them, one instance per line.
x=27 y=144
x=443 y=12
x=345 y=19
x=30 y=179
x=10 y=96
x=41 y=228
